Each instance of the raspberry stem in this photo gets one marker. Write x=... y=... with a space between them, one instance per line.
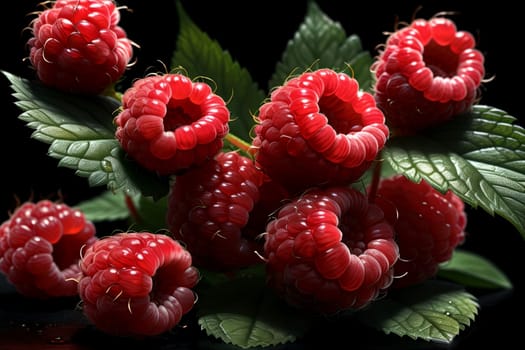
x=111 y=92
x=238 y=142
x=374 y=183
x=132 y=208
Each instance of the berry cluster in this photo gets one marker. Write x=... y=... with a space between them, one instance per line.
x=326 y=246
x=132 y=284
x=286 y=200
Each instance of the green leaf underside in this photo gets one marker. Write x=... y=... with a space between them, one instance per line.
x=480 y=156
x=200 y=56
x=81 y=135
x=249 y=314
x=433 y=311
x=472 y=270
x=322 y=43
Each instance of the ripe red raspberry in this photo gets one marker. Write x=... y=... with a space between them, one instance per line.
x=220 y=210
x=330 y=250
x=318 y=129
x=137 y=284
x=40 y=248
x=427 y=73
x=169 y=123
x=77 y=46
x=429 y=225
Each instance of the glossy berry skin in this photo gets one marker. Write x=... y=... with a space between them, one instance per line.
x=220 y=210
x=330 y=250
x=40 y=247
x=318 y=129
x=169 y=123
x=77 y=46
x=137 y=284
x=428 y=224
x=427 y=73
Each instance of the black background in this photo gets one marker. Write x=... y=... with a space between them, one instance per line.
x=255 y=33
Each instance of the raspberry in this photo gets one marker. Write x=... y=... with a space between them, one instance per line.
x=40 y=248
x=77 y=46
x=429 y=225
x=318 y=129
x=169 y=123
x=427 y=73
x=137 y=284
x=330 y=250
x=220 y=209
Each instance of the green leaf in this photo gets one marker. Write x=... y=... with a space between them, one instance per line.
x=143 y=213
x=248 y=314
x=107 y=206
x=432 y=311
x=81 y=135
x=472 y=270
x=480 y=156
x=200 y=56
x=322 y=43
x=151 y=213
